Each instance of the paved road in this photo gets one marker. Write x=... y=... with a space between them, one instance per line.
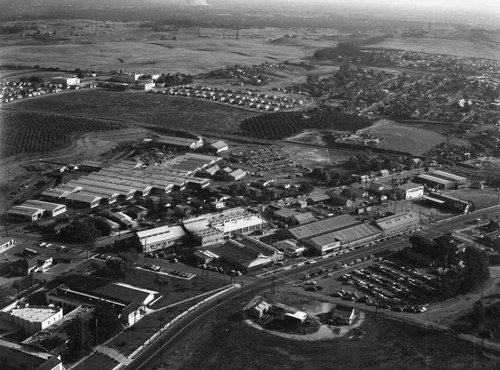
x=173 y=339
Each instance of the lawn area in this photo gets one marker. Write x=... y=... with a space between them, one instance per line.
x=96 y=361
x=136 y=106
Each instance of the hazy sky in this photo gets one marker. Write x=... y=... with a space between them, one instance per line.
x=492 y=5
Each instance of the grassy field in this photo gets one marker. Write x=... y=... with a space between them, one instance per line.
x=377 y=344
x=157 y=110
x=137 y=49
x=406 y=137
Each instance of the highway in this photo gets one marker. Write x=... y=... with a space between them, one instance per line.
x=172 y=339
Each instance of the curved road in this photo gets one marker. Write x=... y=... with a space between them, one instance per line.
x=174 y=337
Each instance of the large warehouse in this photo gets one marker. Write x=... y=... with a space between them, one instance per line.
x=319 y=227
x=458 y=181
x=348 y=237
x=433 y=182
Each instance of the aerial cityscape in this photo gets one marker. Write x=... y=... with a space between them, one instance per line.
x=220 y=184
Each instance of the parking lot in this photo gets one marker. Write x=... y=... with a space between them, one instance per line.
x=387 y=285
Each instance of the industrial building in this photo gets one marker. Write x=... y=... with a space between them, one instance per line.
x=23 y=214
x=398 y=223
x=31 y=318
x=126 y=179
x=458 y=182
x=348 y=237
x=83 y=200
x=216 y=227
x=433 y=182
x=317 y=228
x=410 y=191
x=50 y=209
x=160 y=237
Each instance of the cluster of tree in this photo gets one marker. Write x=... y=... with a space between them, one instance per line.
x=349 y=50
x=85 y=333
x=11 y=29
x=32 y=79
x=460 y=273
x=173 y=79
x=367 y=161
x=80 y=231
x=279 y=125
x=323 y=175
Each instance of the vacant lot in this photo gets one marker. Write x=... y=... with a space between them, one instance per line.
x=153 y=109
x=377 y=344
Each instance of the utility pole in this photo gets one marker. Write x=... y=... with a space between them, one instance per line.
x=217 y=314
x=273 y=287
x=484 y=323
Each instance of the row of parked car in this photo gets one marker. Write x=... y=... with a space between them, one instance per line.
x=185 y=275
x=171 y=257
x=221 y=269
x=107 y=257
x=388 y=285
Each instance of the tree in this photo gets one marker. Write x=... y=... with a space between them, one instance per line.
x=103 y=227
x=107 y=323
x=81 y=339
x=476 y=271
x=306 y=188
